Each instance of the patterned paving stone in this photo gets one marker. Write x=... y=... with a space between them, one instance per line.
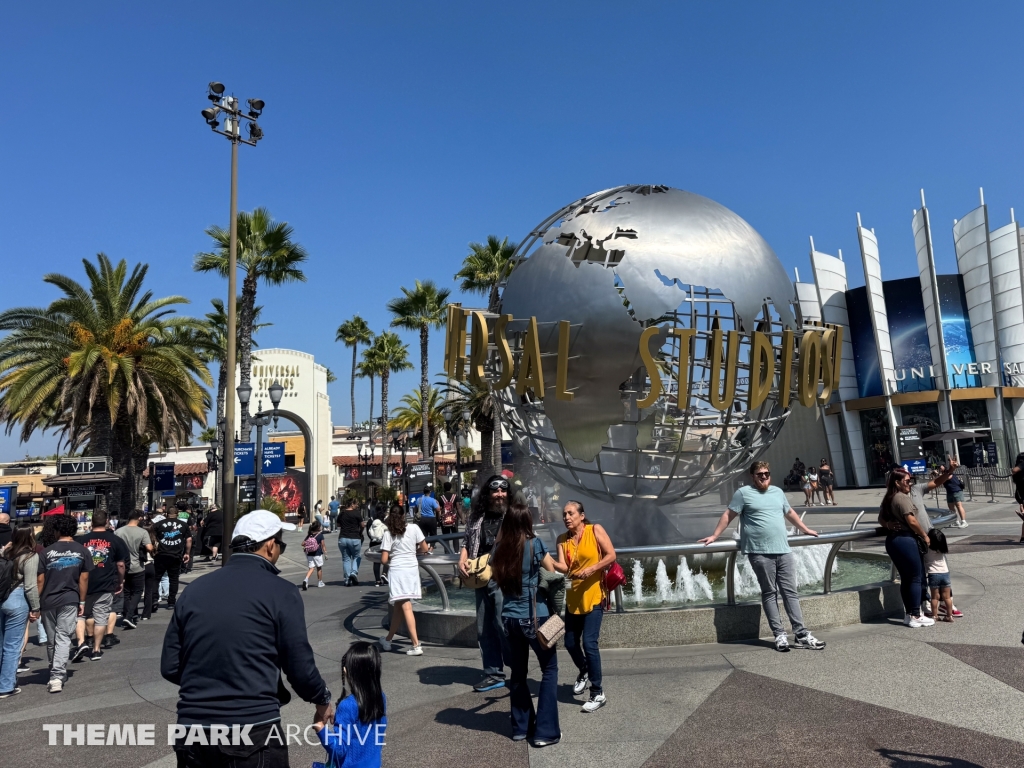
x=972 y=544
x=1004 y=664
x=469 y=730
x=756 y=721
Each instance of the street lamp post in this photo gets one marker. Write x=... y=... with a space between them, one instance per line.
x=463 y=431
x=214 y=459
x=400 y=442
x=261 y=420
x=366 y=456
x=229 y=106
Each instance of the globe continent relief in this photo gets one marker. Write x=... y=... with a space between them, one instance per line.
x=613 y=264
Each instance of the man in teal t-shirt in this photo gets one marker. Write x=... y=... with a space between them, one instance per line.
x=763 y=510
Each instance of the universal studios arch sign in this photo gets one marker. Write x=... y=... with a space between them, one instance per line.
x=807 y=361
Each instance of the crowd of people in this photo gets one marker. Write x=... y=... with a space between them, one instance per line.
x=80 y=589
x=817 y=483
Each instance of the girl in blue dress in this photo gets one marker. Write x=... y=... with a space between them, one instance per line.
x=356 y=737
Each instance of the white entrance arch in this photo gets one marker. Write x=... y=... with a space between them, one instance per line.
x=305 y=402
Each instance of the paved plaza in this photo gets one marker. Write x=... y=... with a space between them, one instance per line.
x=879 y=695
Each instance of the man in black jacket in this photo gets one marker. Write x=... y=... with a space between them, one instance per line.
x=232 y=634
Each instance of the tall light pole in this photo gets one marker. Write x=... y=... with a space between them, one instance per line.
x=261 y=420
x=366 y=455
x=400 y=441
x=228 y=105
x=463 y=431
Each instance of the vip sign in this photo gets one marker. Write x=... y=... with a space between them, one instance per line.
x=810 y=361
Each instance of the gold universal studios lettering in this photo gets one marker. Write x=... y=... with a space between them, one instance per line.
x=530 y=374
x=818 y=361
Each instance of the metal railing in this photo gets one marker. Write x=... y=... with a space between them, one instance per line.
x=730 y=547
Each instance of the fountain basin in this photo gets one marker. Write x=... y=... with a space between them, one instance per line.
x=656 y=623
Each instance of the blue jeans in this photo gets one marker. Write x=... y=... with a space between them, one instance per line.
x=902 y=548
x=494 y=647
x=13 y=618
x=542 y=723
x=585 y=629
x=351 y=555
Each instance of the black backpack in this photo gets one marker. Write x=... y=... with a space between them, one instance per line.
x=8 y=575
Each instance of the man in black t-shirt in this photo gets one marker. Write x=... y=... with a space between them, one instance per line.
x=109 y=556
x=173 y=542
x=65 y=565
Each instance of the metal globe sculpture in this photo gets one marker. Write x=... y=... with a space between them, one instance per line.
x=680 y=272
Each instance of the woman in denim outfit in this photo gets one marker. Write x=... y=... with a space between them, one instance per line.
x=515 y=562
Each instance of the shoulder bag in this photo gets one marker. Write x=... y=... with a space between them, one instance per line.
x=553 y=628
x=479 y=570
x=614 y=577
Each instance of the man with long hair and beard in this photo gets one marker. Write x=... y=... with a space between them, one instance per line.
x=481 y=533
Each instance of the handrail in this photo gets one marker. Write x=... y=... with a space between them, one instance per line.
x=730 y=546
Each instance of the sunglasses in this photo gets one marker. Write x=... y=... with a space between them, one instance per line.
x=762 y=474
x=498 y=485
x=282 y=545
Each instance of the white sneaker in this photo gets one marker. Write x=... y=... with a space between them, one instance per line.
x=385 y=645
x=782 y=644
x=581 y=683
x=595 y=703
x=925 y=621
x=56 y=685
x=964 y=523
x=321 y=584
x=416 y=650
x=810 y=642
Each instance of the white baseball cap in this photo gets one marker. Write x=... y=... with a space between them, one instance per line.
x=260 y=525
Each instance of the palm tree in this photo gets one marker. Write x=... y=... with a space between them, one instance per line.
x=486 y=267
x=387 y=355
x=481 y=403
x=367 y=370
x=108 y=366
x=483 y=271
x=266 y=252
x=354 y=332
x=208 y=435
x=409 y=415
x=422 y=308
x=331 y=378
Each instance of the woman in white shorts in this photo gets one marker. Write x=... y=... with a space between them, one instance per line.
x=402 y=541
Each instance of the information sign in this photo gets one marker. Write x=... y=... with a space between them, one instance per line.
x=245 y=454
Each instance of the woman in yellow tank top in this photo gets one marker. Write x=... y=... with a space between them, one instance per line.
x=584 y=552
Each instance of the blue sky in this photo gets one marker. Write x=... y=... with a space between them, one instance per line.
x=398 y=132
